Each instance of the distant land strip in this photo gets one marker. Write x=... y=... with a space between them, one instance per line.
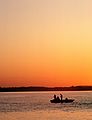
x=37 y=88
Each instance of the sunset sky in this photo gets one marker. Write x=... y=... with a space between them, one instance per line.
x=45 y=42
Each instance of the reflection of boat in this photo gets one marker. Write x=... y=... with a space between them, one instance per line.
x=62 y=101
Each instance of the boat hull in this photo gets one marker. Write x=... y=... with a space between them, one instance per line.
x=62 y=101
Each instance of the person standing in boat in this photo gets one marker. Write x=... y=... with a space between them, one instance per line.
x=55 y=97
x=61 y=96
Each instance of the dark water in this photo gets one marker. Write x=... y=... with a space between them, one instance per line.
x=34 y=105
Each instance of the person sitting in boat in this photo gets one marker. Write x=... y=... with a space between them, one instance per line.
x=61 y=96
x=66 y=99
x=58 y=99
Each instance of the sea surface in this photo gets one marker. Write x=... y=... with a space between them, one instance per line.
x=37 y=106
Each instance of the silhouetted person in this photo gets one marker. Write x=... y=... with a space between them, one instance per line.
x=61 y=96
x=58 y=99
x=66 y=99
x=55 y=97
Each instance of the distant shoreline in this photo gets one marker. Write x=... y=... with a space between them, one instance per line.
x=37 y=88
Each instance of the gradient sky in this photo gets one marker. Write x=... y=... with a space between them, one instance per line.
x=45 y=42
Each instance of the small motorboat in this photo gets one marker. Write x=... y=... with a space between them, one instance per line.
x=62 y=101
x=67 y=101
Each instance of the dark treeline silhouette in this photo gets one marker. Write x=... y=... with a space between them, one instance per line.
x=31 y=88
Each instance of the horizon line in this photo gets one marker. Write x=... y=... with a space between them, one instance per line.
x=46 y=86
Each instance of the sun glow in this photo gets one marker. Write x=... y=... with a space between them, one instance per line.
x=45 y=43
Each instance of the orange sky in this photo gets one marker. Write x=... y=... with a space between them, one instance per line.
x=45 y=43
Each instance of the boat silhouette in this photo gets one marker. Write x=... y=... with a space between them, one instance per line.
x=62 y=101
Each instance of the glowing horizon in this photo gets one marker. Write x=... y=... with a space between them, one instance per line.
x=45 y=43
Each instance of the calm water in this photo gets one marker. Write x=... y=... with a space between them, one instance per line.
x=36 y=106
